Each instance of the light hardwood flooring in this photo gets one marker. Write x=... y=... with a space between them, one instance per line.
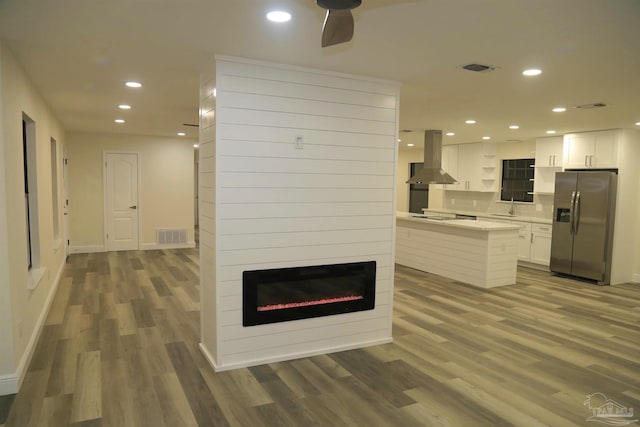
x=120 y=348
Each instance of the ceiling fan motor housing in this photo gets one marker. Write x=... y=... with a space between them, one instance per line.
x=339 y=4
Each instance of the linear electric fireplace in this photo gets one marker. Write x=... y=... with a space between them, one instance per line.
x=283 y=294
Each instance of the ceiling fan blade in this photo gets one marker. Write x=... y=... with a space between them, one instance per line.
x=337 y=28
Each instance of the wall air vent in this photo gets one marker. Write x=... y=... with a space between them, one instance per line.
x=478 y=68
x=171 y=237
x=594 y=105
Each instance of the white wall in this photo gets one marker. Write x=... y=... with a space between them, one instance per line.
x=626 y=257
x=331 y=201
x=23 y=309
x=166 y=182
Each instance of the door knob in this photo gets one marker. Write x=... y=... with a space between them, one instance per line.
x=133 y=207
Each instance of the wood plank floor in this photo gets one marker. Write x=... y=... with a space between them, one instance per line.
x=120 y=348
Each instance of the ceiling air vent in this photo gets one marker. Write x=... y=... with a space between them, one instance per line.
x=478 y=68
x=594 y=105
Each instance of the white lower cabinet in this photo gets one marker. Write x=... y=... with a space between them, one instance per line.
x=524 y=241
x=540 y=244
x=534 y=241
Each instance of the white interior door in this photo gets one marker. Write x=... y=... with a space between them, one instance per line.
x=121 y=201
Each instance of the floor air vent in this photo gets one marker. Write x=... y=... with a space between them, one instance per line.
x=171 y=237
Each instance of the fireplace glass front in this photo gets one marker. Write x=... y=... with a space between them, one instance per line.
x=284 y=294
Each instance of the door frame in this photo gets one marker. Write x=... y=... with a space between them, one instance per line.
x=65 y=199
x=105 y=214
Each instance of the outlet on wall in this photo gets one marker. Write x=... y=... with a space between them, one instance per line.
x=453 y=201
x=475 y=203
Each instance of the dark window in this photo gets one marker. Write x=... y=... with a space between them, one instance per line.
x=26 y=192
x=517 y=180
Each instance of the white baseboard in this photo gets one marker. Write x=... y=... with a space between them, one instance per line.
x=533 y=265
x=155 y=246
x=208 y=356
x=291 y=356
x=144 y=247
x=87 y=249
x=10 y=384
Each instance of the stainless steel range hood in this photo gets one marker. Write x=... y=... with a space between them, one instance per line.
x=431 y=172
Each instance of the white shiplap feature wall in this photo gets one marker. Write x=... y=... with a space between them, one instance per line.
x=206 y=210
x=277 y=204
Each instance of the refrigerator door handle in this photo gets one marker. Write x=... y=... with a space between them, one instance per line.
x=572 y=212
x=577 y=214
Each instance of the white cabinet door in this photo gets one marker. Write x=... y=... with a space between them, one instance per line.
x=591 y=150
x=450 y=166
x=541 y=244
x=524 y=246
x=549 y=152
x=578 y=149
x=469 y=166
x=524 y=241
x=605 y=152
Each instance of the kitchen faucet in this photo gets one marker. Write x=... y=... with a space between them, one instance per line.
x=512 y=210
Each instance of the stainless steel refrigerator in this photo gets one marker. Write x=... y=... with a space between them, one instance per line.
x=583 y=217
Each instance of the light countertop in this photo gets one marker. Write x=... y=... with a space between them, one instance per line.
x=490 y=216
x=470 y=224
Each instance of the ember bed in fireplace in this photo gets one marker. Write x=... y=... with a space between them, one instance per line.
x=283 y=294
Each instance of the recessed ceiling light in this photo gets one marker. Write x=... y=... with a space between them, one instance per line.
x=399 y=140
x=551 y=131
x=409 y=145
x=514 y=127
x=637 y=123
x=181 y=134
x=450 y=134
x=559 y=110
x=486 y=137
x=133 y=84
x=119 y=120
x=124 y=107
x=279 y=16
x=532 y=72
x=470 y=122
x=195 y=145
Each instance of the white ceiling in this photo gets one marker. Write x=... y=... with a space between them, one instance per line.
x=78 y=53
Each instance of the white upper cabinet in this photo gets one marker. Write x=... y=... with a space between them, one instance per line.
x=449 y=165
x=548 y=162
x=549 y=152
x=591 y=150
x=469 y=165
x=472 y=165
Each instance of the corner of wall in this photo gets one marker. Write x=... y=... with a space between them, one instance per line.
x=8 y=380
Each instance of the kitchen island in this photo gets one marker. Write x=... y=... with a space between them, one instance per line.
x=481 y=253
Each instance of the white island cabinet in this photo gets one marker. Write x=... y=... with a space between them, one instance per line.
x=481 y=253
